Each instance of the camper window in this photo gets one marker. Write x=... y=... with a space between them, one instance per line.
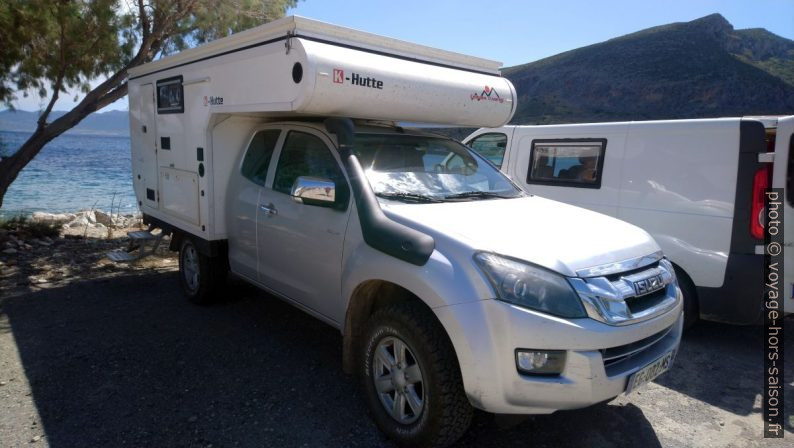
x=258 y=155
x=170 y=98
x=306 y=155
x=491 y=146
x=571 y=163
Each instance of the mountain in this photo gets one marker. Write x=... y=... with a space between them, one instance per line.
x=113 y=122
x=702 y=68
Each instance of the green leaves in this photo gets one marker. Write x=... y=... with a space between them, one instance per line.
x=52 y=46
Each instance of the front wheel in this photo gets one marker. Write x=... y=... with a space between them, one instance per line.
x=411 y=378
x=199 y=275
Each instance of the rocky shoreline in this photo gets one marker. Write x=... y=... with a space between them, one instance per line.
x=74 y=249
x=89 y=222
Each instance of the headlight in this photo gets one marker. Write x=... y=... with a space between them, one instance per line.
x=531 y=287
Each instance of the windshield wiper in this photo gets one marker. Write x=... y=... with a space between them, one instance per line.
x=408 y=197
x=478 y=195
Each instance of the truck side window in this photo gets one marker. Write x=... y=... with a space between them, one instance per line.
x=567 y=162
x=491 y=146
x=306 y=155
x=257 y=156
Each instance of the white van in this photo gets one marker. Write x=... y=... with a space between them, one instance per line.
x=695 y=185
x=274 y=155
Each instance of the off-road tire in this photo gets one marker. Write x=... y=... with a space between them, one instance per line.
x=212 y=272
x=447 y=413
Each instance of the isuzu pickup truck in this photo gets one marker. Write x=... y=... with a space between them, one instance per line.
x=453 y=289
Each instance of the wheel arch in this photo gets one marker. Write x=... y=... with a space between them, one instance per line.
x=367 y=297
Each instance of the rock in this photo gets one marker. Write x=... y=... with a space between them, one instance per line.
x=192 y=419
x=82 y=221
x=10 y=251
x=43 y=243
x=57 y=218
x=35 y=439
x=103 y=218
x=9 y=245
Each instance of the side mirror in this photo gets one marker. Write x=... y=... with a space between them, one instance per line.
x=314 y=191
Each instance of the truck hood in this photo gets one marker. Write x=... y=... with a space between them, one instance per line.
x=557 y=236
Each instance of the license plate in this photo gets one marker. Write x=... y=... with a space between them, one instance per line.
x=649 y=372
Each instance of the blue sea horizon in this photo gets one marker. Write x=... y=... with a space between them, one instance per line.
x=73 y=172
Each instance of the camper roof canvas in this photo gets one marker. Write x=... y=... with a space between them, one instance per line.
x=295 y=26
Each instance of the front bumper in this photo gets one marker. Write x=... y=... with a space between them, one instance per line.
x=486 y=334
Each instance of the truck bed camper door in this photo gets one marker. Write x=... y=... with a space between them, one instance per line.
x=148 y=150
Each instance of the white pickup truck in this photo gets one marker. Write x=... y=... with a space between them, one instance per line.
x=273 y=154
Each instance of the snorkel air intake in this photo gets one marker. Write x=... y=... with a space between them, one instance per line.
x=378 y=230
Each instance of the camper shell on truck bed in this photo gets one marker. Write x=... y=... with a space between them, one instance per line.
x=193 y=112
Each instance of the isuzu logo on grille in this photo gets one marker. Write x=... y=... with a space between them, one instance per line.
x=648 y=285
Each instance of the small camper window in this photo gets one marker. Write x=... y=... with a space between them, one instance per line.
x=491 y=146
x=567 y=162
x=170 y=99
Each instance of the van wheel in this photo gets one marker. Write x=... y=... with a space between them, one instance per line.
x=199 y=275
x=691 y=309
x=411 y=378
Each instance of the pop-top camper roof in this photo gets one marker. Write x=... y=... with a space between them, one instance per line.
x=296 y=66
x=297 y=26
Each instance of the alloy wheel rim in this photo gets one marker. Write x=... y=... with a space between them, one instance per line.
x=191 y=268
x=398 y=380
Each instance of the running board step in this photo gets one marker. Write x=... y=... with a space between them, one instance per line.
x=142 y=244
x=141 y=235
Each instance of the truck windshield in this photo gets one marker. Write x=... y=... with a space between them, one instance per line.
x=414 y=168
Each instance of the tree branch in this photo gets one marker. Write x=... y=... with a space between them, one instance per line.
x=144 y=20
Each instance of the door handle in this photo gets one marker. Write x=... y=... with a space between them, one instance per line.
x=269 y=209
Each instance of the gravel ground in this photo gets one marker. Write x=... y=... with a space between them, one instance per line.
x=126 y=361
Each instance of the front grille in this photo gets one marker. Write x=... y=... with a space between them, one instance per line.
x=620 y=353
x=617 y=276
x=642 y=303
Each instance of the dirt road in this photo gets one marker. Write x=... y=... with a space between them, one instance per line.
x=125 y=361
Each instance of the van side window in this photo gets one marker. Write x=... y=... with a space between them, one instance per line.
x=306 y=155
x=257 y=156
x=491 y=146
x=567 y=162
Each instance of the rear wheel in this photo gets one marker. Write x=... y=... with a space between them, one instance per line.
x=199 y=275
x=411 y=378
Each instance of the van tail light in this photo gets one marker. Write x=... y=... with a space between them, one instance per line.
x=760 y=184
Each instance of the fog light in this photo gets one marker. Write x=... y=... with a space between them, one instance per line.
x=540 y=362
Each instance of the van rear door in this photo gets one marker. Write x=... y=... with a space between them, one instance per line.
x=783 y=177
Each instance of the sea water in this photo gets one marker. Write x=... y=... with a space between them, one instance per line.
x=71 y=173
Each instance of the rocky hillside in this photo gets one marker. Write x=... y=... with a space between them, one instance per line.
x=702 y=68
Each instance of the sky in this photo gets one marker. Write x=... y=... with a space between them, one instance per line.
x=514 y=31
